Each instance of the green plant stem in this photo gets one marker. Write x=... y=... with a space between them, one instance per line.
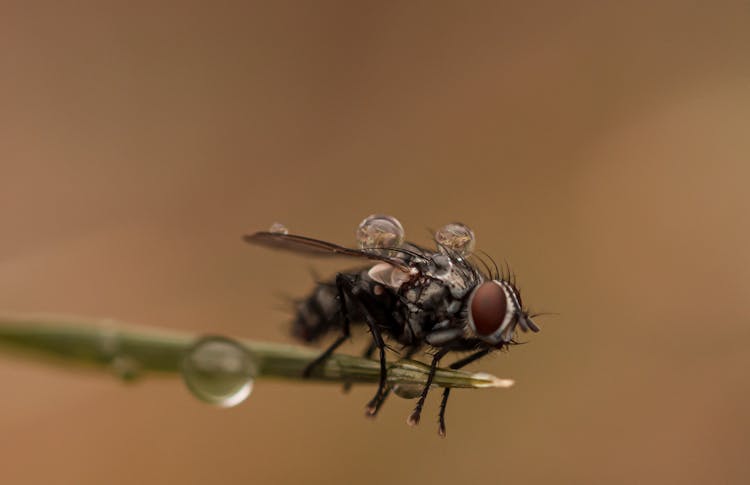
x=133 y=351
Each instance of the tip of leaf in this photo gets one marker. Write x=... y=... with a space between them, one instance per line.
x=492 y=381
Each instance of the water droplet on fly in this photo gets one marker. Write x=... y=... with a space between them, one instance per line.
x=456 y=237
x=380 y=231
x=219 y=371
x=278 y=228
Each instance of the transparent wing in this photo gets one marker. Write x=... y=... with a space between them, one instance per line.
x=315 y=247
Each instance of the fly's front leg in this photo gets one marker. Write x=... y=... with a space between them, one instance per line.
x=414 y=416
x=342 y=285
x=447 y=391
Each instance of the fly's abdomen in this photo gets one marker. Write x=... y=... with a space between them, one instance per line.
x=317 y=314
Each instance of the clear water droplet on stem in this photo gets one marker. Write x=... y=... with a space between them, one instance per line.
x=380 y=231
x=457 y=238
x=219 y=371
x=278 y=228
x=408 y=390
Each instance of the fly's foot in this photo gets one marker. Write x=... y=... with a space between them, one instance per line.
x=376 y=403
x=413 y=418
x=371 y=410
x=441 y=428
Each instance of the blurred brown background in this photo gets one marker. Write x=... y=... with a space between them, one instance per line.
x=602 y=150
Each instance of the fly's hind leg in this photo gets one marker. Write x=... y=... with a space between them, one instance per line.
x=377 y=338
x=342 y=284
x=345 y=286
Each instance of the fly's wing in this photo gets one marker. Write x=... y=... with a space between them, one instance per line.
x=315 y=247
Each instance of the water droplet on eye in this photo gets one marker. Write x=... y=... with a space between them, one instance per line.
x=219 y=371
x=380 y=231
x=278 y=228
x=456 y=237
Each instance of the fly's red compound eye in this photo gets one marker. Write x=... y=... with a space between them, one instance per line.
x=488 y=308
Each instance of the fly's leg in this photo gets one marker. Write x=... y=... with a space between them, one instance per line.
x=341 y=282
x=374 y=404
x=367 y=354
x=414 y=416
x=447 y=391
x=345 y=286
x=409 y=354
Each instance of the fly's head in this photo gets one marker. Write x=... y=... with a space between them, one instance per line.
x=492 y=303
x=494 y=310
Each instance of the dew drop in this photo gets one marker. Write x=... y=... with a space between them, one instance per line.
x=219 y=371
x=278 y=228
x=456 y=237
x=380 y=231
x=408 y=390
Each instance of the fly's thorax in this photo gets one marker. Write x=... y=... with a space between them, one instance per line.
x=430 y=294
x=448 y=273
x=427 y=294
x=452 y=272
x=434 y=313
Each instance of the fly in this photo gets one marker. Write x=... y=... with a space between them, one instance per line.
x=441 y=301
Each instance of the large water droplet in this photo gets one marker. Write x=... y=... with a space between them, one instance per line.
x=219 y=371
x=456 y=237
x=278 y=228
x=407 y=390
x=380 y=231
